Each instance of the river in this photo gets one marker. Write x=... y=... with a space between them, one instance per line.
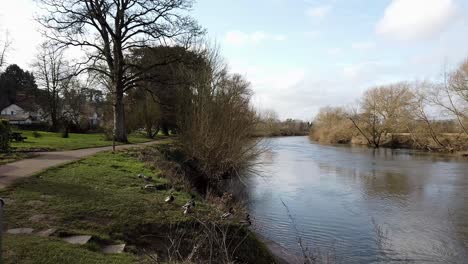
x=358 y=205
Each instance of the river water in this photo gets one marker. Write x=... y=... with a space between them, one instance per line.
x=358 y=205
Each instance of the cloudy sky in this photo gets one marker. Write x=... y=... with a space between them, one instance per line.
x=301 y=55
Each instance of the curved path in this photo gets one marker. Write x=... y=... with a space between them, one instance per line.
x=44 y=160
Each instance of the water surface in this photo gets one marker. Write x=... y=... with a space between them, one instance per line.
x=362 y=205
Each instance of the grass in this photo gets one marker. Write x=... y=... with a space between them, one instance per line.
x=37 y=250
x=99 y=196
x=54 y=141
x=103 y=197
x=14 y=156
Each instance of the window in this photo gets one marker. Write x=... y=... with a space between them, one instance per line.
x=12 y=112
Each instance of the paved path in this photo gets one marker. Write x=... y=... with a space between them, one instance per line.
x=44 y=160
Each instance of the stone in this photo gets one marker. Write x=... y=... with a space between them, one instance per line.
x=46 y=197
x=47 y=232
x=113 y=249
x=35 y=203
x=77 y=240
x=37 y=218
x=20 y=231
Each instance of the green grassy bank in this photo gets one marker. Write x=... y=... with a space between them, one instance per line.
x=103 y=197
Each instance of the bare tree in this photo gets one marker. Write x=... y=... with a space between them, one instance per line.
x=109 y=29
x=420 y=105
x=381 y=112
x=457 y=93
x=53 y=75
x=5 y=45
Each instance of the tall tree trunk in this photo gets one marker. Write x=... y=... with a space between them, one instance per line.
x=119 y=115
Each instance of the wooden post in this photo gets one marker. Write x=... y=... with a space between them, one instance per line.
x=113 y=140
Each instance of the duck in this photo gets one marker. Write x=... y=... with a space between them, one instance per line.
x=246 y=221
x=146 y=178
x=190 y=203
x=187 y=209
x=170 y=198
x=148 y=187
x=228 y=214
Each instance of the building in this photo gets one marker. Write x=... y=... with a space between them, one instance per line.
x=17 y=115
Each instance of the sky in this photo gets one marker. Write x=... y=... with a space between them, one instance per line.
x=301 y=55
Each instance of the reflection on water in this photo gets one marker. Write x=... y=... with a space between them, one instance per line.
x=341 y=197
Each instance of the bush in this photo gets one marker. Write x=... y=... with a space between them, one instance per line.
x=217 y=123
x=332 y=126
x=36 y=134
x=5 y=132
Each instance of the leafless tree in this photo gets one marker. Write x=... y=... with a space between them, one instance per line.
x=380 y=112
x=5 y=45
x=332 y=125
x=422 y=127
x=53 y=74
x=456 y=89
x=217 y=122
x=108 y=29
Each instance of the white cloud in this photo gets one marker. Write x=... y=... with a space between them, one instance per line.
x=365 y=45
x=416 y=19
x=239 y=38
x=319 y=12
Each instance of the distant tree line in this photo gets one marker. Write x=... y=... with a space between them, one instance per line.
x=269 y=125
x=430 y=115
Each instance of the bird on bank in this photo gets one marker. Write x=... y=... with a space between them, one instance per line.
x=146 y=178
x=149 y=187
x=228 y=214
x=190 y=203
x=187 y=209
x=170 y=198
x=246 y=221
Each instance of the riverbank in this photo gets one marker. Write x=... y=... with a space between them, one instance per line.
x=455 y=145
x=102 y=197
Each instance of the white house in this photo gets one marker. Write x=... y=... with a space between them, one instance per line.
x=12 y=110
x=16 y=115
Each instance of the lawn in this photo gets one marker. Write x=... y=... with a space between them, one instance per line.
x=102 y=196
x=99 y=196
x=54 y=141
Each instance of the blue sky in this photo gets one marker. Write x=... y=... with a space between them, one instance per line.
x=301 y=55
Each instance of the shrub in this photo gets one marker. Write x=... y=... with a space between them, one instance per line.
x=36 y=134
x=217 y=124
x=332 y=126
x=5 y=132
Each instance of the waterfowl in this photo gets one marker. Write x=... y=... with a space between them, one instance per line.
x=169 y=199
x=187 y=209
x=146 y=178
x=246 y=221
x=148 y=187
x=228 y=214
x=190 y=203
